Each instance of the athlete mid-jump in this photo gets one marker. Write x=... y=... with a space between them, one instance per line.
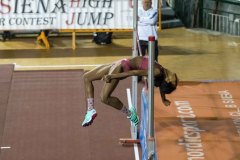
x=116 y=71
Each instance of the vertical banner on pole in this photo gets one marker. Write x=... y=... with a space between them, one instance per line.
x=143 y=136
x=144 y=124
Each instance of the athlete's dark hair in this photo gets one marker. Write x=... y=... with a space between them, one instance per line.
x=158 y=81
x=167 y=87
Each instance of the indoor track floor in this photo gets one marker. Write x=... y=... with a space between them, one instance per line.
x=41 y=114
x=202 y=121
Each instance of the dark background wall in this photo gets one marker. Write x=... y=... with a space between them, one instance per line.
x=193 y=12
x=187 y=11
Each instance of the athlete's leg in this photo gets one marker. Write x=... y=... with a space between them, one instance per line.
x=107 y=98
x=92 y=75
x=89 y=77
x=108 y=88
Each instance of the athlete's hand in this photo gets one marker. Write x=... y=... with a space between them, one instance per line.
x=107 y=78
x=166 y=102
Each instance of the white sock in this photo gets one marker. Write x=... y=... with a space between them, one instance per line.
x=126 y=111
x=90 y=102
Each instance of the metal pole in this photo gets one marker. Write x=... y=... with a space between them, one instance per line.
x=134 y=54
x=151 y=141
x=227 y=25
x=238 y=28
x=211 y=21
x=219 y=23
x=151 y=46
x=223 y=24
x=215 y=25
x=135 y=15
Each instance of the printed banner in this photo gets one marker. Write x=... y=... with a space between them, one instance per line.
x=143 y=135
x=144 y=125
x=66 y=14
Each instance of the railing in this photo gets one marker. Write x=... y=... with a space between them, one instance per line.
x=217 y=22
x=236 y=26
x=222 y=23
x=221 y=16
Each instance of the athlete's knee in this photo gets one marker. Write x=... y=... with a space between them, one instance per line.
x=86 y=77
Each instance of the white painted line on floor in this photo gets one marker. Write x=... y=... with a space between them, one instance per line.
x=59 y=66
x=6 y=147
x=133 y=129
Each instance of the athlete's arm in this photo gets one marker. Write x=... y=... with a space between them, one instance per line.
x=165 y=101
x=124 y=75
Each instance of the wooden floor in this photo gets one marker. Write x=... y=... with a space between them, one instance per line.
x=193 y=54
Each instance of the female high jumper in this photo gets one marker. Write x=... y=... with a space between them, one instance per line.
x=116 y=71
